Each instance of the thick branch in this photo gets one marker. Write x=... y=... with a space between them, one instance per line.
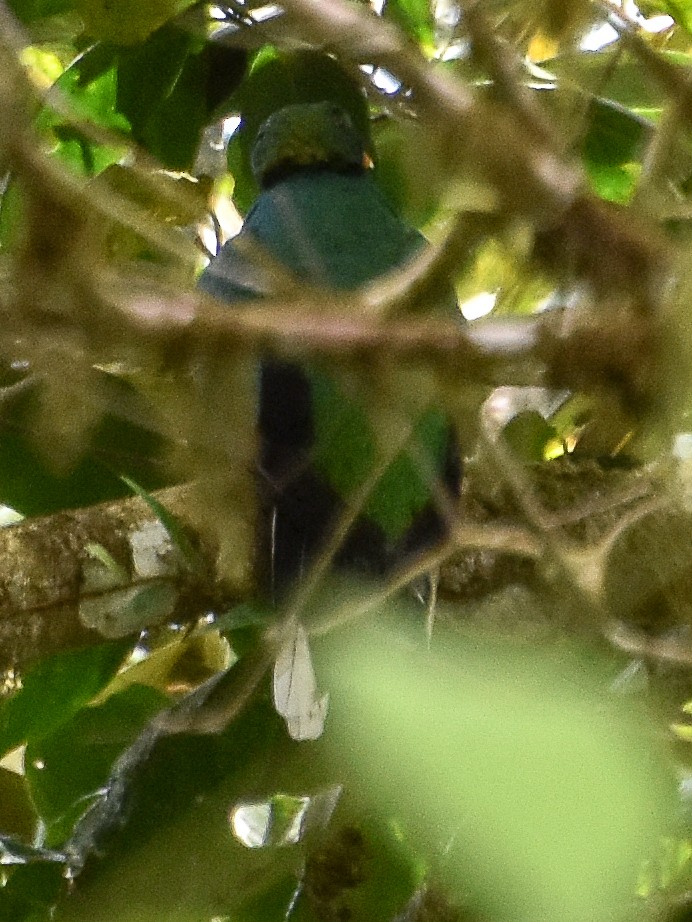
x=112 y=570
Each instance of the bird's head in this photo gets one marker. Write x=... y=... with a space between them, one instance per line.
x=306 y=136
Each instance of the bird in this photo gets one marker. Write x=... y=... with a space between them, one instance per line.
x=321 y=214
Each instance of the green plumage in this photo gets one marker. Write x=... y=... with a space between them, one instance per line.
x=322 y=215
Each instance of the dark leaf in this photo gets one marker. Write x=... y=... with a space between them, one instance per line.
x=29 y=11
x=615 y=135
x=31 y=892
x=56 y=689
x=67 y=766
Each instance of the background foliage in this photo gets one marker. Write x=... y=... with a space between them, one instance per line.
x=530 y=760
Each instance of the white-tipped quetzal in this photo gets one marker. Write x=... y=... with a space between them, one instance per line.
x=321 y=214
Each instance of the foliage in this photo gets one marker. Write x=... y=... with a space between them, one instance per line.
x=501 y=759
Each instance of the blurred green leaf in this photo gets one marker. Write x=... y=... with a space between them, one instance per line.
x=127 y=22
x=116 y=446
x=55 y=689
x=404 y=156
x=171 y=854
x=528 y=435
x=610 y=73
x=246 y=614
x=615 y=135
x=415 y=17
x=90 y=85
x=614 y=183
x=169 y=88
x=680 y=10
x=272 y=902
x=28 y=11
x=614 y=143
x=161 y=92
x=517 y=758
x=147 y=74
x=392 y=869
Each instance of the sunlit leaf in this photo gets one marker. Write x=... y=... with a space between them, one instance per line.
x=528 y=434
x=415 y=17
x=680 y=10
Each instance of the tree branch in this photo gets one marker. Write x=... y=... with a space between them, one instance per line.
x=113 y=570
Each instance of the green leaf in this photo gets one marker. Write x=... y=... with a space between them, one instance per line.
x=613 y=145
x=416 y=19
x=547 y=793
x=615 y=135
x=83 y=157
x=90 y=83
x=31 y=892
x=528 y=434
x=162 y=90
x=147 y=74
x=28 y=11
x=176 y=531
x=28 y=485
x=245 y=615
x=614 y=183
x=404 y=155
x=680 y=10
x=391 y=879
x=170 y=87
x=272 y=902
x=66 y=766
x=170 y=852
x=31 y=485
x=611 y=74
x=56 y=689
x=17 y=813
x=127 y=22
